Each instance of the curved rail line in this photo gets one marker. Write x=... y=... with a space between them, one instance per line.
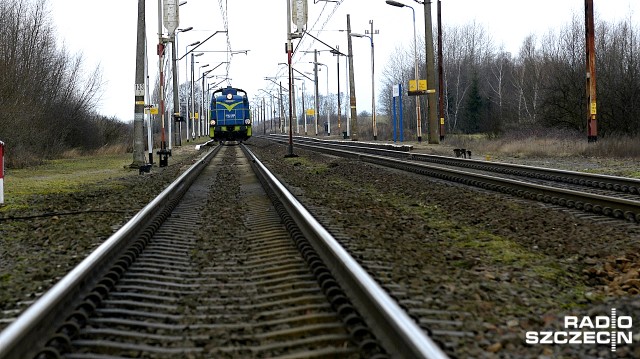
x=133 y=285
x=608 y=205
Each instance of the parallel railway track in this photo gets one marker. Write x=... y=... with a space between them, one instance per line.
x=169 y=283
x=611 y=196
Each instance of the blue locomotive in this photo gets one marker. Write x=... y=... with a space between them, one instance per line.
x=230 y=118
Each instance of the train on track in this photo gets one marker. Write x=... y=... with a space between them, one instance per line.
x=230 y=115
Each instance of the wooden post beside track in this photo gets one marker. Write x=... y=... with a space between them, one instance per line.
x=592 y=125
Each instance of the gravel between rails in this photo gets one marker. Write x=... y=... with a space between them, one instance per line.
x=513 y=265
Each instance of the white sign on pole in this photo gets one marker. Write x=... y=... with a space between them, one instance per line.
x=170 y=15
x=396 y=90
x=139 y=91
x=299 y=15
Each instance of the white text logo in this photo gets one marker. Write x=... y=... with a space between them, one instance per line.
x=613 y=330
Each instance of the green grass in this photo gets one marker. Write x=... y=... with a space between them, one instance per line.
x=61 y=176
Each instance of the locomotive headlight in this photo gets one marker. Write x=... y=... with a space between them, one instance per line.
x=229 y=96
x=247 y=122
x=213 y=122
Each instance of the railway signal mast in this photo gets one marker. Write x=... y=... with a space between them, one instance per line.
x=299 y=17
x=167 y=15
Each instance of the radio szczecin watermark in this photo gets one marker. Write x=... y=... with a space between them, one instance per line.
x=610 y=330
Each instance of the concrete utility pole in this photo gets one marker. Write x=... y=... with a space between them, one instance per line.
x=592 y=124
x=337 y=54
x=294 y=118
x=304 y=111
x=326 y=104
x=289 y=45
x=176 y=100
x=193 y=101
x=177 y=117
x=315 y=81
x=271 y=111
x=281 y=121
x=264 y=117
x=163 y=152
x=432 y=115
x=373 y=84
x=138 y=120
x=203 y=108
x=352 y=86
x=440 y=73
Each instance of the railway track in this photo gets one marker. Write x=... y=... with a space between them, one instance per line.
x=611 y=196
x=172 y=283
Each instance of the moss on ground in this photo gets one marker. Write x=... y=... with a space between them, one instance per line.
x=494 y=253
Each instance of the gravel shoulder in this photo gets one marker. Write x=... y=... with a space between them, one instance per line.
x=515 y=266
x=43 y=240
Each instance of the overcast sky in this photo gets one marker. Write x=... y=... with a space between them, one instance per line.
x=105 y=33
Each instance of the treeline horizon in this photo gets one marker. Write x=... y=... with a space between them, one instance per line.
x=489 y=90
x=49 y=100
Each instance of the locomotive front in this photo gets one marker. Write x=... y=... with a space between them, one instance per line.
x=230 y=115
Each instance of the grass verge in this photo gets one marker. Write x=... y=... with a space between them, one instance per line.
x=61 y=176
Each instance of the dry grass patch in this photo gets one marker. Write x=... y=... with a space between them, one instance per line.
x=551 y=146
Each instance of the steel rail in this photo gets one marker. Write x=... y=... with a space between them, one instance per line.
x=615 y=206
x=400 y=334
x=601 y=204
x=615 y=183
x=25 y=336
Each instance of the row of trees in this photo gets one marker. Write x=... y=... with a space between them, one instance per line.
x=490 y=90
x=48 y=102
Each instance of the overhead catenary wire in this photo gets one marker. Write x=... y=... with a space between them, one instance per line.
x=225 y=23
x=312 y=42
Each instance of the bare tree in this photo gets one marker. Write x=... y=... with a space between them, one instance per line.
x=465 y=49
x=618 y=49
x=501 y=89
x=563 y=102
x=528 y=80
x=47 y=99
